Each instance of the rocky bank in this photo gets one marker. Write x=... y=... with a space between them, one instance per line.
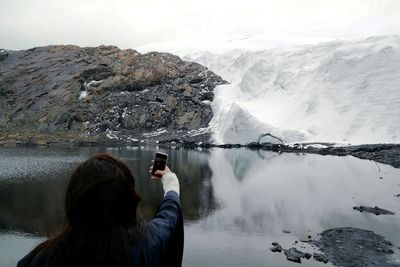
x=97 y=94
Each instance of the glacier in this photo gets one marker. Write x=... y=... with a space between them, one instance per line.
x=340 y=91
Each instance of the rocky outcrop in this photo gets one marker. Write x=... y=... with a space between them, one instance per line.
x=70 y=93
x=349 y=246
x=374 y=210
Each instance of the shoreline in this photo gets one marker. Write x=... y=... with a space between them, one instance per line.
x=381 y=153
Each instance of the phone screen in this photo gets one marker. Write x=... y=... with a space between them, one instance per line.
x=160 y=162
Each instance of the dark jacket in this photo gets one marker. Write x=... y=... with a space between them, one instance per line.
x=161 y=243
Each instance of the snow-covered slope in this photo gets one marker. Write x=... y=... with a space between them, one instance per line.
x=340 y=91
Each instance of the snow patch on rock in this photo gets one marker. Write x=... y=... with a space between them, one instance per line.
x=86 y=85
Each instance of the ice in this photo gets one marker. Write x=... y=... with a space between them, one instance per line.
x=340 y=92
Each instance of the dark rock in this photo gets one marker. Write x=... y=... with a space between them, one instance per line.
x=103 y=94
x=307 y=255
x=354 y=247
x=306 y=239
x=293 y=254
x=398 y=195
x=3 y=54
x=384 y=153
x=320 y=257
x=286 y=231
x=276 y=247
x=375 y=210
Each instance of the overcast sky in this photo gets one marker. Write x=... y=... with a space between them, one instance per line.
x=133 y=23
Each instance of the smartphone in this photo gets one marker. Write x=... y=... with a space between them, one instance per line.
x=160 y=162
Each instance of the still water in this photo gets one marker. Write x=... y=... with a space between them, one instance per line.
x=235 y=202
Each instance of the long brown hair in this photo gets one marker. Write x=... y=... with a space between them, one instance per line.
x=100 y=217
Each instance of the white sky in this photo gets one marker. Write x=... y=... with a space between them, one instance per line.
x=133 y=23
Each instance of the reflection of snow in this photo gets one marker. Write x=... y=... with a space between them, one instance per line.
x=298 y=192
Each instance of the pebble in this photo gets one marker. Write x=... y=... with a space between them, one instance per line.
x=276 y=247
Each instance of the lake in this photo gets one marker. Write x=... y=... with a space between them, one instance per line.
x=236 y=202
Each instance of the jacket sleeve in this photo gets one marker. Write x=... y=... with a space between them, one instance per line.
x=166 y=228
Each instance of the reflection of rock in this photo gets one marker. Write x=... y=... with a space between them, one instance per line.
x=354 y=247
x=375 y=210
x=36 y=205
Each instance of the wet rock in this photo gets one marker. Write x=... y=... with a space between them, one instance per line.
x=374 y=210
x=354 y=247
x=307 y=255
x=295 y=255
x=320 y=257
x=276 y=247
x=384 y=153
x=306 y=239
x=388 y=154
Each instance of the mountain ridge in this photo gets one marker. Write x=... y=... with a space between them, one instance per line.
x=73 y=94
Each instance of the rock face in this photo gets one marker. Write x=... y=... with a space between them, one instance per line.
x=101 y=93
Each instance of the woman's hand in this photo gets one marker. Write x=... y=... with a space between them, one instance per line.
x=159 y=173
x=168 y=179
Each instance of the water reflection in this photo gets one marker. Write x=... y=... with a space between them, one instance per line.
x=31 y=195
x=235 y=201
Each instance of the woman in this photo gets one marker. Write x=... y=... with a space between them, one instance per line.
x=100 y=226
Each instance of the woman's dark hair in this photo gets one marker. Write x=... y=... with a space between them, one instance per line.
x=100 y=217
